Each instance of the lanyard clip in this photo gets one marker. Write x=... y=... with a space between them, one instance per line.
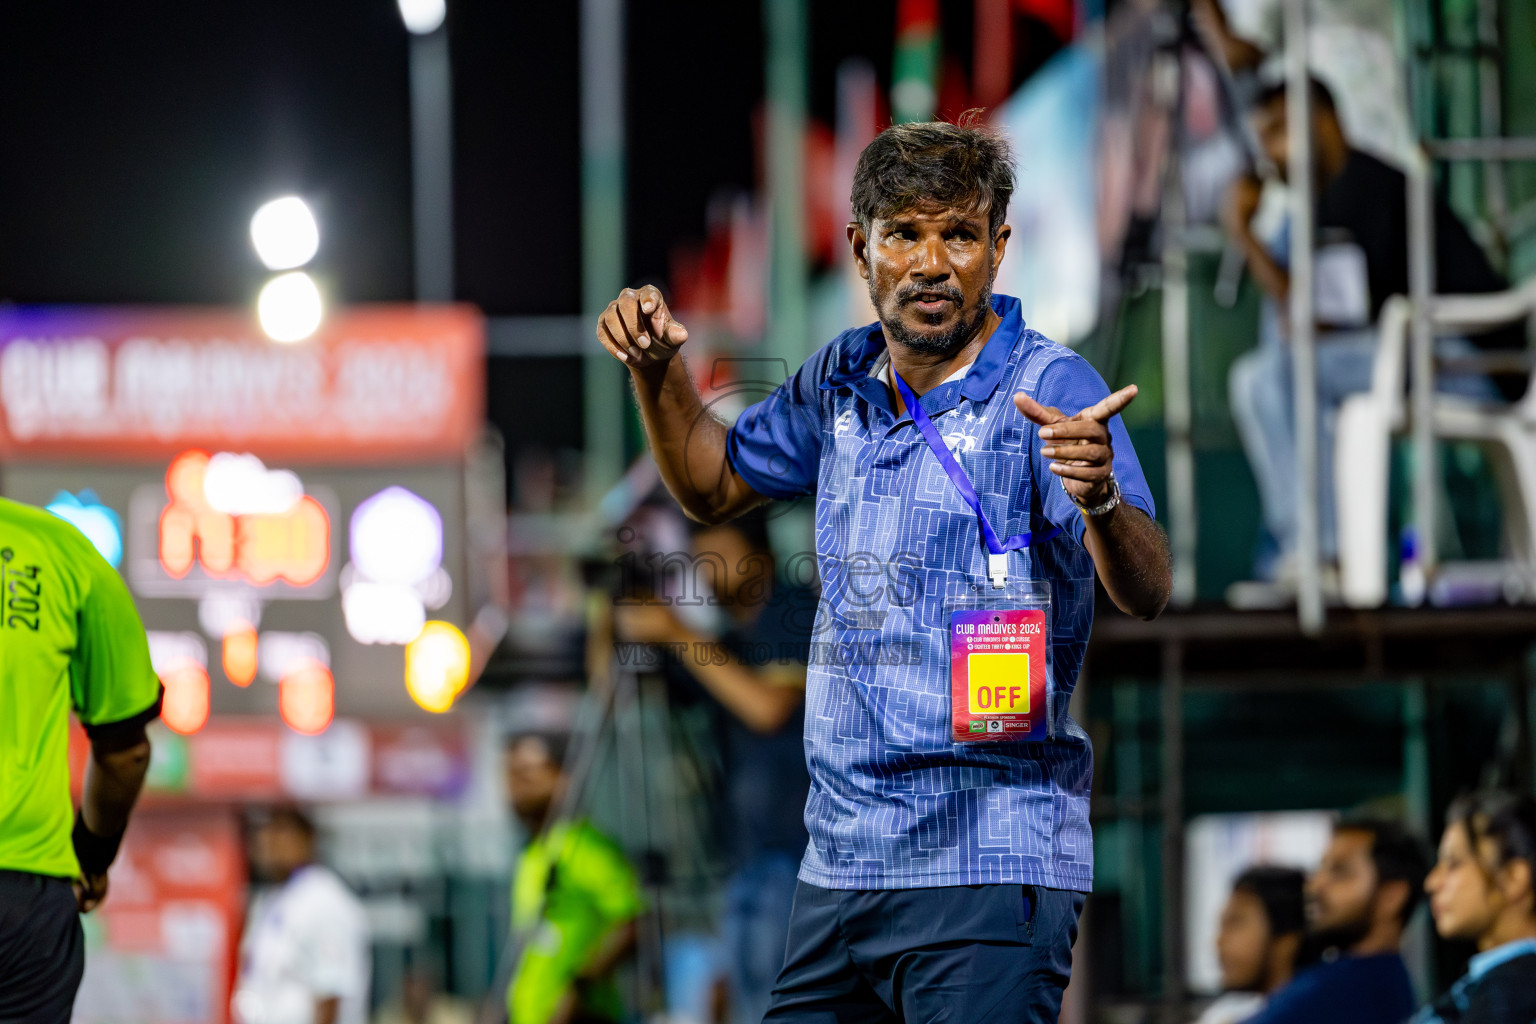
x=997 y=568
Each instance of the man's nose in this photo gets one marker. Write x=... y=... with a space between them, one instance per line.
x=932 y=261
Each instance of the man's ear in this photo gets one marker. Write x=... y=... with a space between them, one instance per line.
x=858 y=241
x=1000 y=243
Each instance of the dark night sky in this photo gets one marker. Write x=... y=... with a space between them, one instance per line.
x=137 y=139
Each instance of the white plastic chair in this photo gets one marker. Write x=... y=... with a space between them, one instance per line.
x=1368 y=421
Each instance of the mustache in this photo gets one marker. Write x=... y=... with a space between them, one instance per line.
x=909 y=293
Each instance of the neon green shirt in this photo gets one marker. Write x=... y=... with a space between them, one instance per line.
x=573 y=886
x=69 y=638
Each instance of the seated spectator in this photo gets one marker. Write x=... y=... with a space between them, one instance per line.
x=1361 y=261
x=1359 y=901
x=1352 y=45
x=574 y=899
x=1482 y=889
x=1258 y=941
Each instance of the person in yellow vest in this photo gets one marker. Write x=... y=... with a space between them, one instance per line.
x=70 y=639
x=575 y=898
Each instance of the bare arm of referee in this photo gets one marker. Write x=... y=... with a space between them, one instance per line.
x=114 y=775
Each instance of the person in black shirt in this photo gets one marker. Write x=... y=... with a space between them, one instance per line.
x=1362 y=201
x=755 y=671
x=1359 y=901
x=1361 y=260
x=1483 y=889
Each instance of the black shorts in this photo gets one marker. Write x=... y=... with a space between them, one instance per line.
x=42 y=949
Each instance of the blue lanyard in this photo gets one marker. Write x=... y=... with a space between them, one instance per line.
x=997 y=551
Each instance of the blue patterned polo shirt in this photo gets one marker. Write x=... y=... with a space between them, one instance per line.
x=894 y=803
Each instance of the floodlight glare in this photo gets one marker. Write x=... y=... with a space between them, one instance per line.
x=423 y=16
x=437 y=666
x=289 y=307
x=397 y=537
x=285 y=234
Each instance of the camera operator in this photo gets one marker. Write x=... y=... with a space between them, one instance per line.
x=755 y=671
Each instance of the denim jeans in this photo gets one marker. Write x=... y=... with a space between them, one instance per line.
x=1261 y=392
x=758 y=898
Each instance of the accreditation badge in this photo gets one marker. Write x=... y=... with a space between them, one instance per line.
x=999 y=670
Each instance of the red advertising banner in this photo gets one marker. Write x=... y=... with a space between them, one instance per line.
x=234 y=758
x=161 y=950
x=375 y=383
x=240 y=758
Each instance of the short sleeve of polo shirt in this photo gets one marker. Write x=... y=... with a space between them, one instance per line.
x=111 y=679
x=776 y=444
x=1071 y=384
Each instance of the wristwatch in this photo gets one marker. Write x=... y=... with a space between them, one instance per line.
x=1097 y=510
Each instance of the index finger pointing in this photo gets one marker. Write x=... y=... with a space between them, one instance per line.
x=1110 y=405
x=650 y=299
x=1034 y=411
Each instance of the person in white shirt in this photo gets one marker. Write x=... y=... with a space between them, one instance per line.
x=305 y=957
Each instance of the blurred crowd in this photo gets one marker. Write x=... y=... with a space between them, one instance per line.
x=1301 y=947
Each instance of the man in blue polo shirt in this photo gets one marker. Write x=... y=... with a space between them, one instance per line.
x=943 y=879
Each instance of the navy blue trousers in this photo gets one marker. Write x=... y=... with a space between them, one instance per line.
x=978 y=954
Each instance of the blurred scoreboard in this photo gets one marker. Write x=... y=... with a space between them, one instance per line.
x=287 y=517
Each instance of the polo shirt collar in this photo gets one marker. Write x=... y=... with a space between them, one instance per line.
x=1486 y=961
x=857 y=367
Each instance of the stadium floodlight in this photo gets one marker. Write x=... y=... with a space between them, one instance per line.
x=289 y=307
x=423 y=17
x=285 y=233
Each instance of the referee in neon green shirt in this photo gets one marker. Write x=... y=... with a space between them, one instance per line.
x=69 y=638
x=575 y=898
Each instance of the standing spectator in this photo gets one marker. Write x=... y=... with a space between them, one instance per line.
x=1482 y=889
x=72 y=640
x=1359 y=901
x=1259 y=941
x=574 y=900
x=756 y=672
x=305 y=957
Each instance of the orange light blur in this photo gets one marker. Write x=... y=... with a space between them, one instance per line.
x=240 y=653
x=185 y=709
x=292 y=546
x=306 y=697
x=437 y=666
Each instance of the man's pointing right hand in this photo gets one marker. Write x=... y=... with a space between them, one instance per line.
x=638 y=329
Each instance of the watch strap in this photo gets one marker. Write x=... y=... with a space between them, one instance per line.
x=1107 y=505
